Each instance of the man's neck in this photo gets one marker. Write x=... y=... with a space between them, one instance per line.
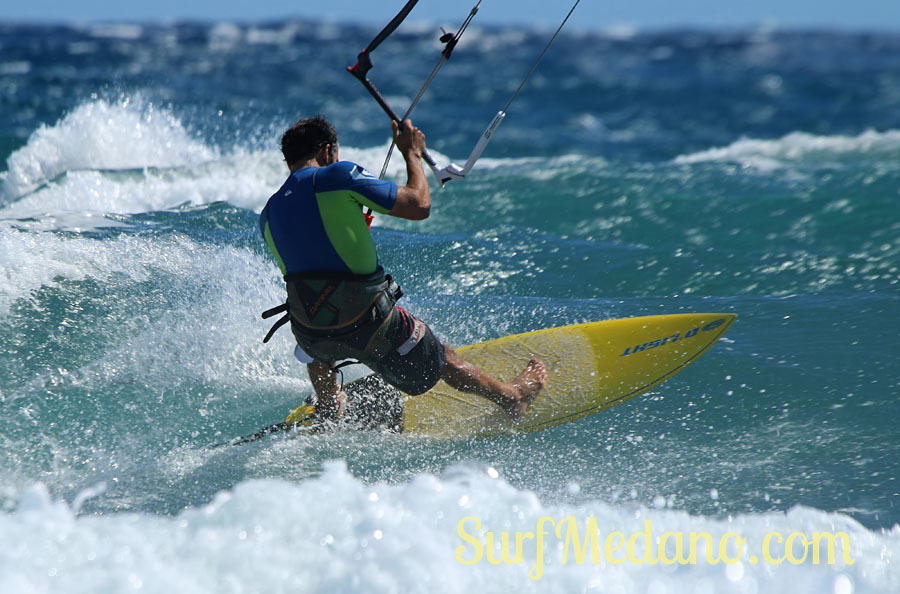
x=298 y=166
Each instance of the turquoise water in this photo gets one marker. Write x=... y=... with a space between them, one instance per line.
x=748 y=172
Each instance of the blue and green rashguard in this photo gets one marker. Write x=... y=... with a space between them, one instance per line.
x=314 y=222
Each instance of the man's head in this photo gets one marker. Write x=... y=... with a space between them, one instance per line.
x=306 y=139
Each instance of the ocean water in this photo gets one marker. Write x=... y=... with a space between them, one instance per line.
x=752 y=172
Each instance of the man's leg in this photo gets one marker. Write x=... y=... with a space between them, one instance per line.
x=329 y=398
x=514 y=396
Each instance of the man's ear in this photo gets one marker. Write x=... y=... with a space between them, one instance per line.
x=323 y=157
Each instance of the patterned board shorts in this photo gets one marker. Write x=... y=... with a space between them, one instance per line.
x=416 y=362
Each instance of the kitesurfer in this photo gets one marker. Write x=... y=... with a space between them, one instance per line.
x=340 y=303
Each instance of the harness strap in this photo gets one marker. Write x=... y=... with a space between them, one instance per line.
x=281 y=322
x=283 y=308
x=275 y=311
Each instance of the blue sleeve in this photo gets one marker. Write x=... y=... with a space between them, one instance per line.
x=378 y=194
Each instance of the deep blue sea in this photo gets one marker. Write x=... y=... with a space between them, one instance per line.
x=639 y=172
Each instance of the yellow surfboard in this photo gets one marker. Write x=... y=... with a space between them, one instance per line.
x=590 y=367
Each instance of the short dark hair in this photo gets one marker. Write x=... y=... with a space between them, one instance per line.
x=305 y=138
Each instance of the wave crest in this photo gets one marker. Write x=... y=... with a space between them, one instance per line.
x=102 y=135
x=796 y=146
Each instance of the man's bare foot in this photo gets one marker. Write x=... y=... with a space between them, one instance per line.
x=514 y=397
x=526 y=387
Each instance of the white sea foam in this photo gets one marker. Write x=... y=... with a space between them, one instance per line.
x=336 y=533
x=182 y=336
x=101 y=135
x=768 y=155
x=32 y=260
x=244 y=180
x=195 y=283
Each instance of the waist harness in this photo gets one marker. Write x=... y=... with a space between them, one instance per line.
x=337 y=316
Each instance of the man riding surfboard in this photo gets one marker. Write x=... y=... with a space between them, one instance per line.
x=340 y=303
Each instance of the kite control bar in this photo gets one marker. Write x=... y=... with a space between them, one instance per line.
x=364 y=64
